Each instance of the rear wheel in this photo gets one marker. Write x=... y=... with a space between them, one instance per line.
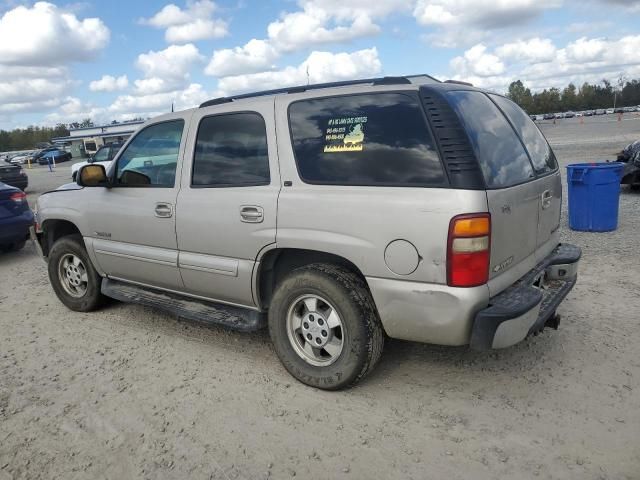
x=325 y=327
x=75 y=281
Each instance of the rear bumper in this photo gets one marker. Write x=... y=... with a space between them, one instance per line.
x=14 y=229
x=529 y=304
x=19 y=182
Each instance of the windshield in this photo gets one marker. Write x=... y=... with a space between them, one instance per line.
x=101 y=155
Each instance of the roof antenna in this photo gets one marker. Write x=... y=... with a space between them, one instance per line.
x=171 y=107
x=308 y=74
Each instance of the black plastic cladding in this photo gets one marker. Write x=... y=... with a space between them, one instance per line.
x=452 y=141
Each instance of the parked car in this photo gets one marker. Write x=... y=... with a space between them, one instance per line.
x=21 y=158
x=103 y=156
x=600 y=111
x=569 y=115
x=609 y=111
x=588 y=113
x=56 y=155
x=282 y=209
x=559 y=115
x=15 y=218
x=539 y=117
x=14 y=176
x=549 y=116
x=630 y=157
x=41 y=152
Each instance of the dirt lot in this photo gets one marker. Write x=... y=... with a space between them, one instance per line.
x=132 y=392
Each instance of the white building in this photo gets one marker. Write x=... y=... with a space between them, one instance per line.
x=86 y=141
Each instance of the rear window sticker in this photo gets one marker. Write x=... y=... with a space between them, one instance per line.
x=345 y=134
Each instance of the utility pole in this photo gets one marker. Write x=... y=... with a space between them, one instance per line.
x=621 y=82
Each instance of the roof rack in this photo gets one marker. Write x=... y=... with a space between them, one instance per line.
x=303 y=88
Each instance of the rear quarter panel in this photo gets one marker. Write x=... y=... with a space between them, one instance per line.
x=358 y=223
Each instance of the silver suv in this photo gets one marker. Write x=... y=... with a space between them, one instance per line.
x=336 y=214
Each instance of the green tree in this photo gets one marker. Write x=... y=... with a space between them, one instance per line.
x=520 y=95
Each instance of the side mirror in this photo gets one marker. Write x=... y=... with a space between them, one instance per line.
x=92 y=176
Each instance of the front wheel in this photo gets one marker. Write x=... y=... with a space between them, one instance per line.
x=71 y=273
x=325 y=327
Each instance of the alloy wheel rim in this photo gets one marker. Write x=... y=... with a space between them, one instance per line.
x=315 y=330
x=72 y=274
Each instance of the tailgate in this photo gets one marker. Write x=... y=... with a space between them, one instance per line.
x=522 y=183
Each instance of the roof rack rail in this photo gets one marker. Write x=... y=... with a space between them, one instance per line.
x=303 y=88
x=459 y=82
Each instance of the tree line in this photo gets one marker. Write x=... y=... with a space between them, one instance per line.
x=27 y=138
x=571 y=98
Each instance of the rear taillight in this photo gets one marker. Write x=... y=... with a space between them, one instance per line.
x=18 y=197
x=468 y=250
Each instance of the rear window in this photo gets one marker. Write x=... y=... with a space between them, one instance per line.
x=231 y=150
x=539 y=151
x=502 y=158
x=379 y=139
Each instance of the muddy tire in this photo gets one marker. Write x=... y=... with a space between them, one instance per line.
x=325 y=327
x=71 y=273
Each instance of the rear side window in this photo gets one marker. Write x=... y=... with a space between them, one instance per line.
x=539 y=151
x=503 y=160
x=379 y=139
x=231 y=150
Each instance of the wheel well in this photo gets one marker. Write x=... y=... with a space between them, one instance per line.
x=54 y=230
x=277 y=263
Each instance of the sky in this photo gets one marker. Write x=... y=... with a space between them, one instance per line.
x=116 y=60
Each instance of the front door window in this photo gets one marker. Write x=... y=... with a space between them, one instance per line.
x=151 y=158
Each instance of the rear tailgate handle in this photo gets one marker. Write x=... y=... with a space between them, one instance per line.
x=546 y=199
x=251 y=214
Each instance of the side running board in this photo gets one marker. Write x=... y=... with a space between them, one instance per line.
x=236 y=318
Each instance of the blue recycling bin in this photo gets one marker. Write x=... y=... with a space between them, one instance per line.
x=594 y=190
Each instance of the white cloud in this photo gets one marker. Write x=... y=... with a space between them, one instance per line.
x=455 y=23
x=321 y=66
x=36 y=45
x=582 y=60
x=46 y=35
x=109 y=83
x=26 y=89
x=190 y=97
x=480 y=13
x=532 y=50
x=477 y=62
x=196 y=22
x=174 y=60
x=317 y=22
x=311 y=27
x=166 y=70
x=199 y=29
x=255 y=56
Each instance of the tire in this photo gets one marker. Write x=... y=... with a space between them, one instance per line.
x=79 y=292
x=360 y=334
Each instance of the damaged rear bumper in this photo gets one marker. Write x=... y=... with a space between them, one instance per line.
x=528 y=305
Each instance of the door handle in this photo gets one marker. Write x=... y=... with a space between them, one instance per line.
x=251 y=213
x=164 y=210
x=546 y=199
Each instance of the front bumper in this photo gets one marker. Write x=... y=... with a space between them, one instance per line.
x=529 y=304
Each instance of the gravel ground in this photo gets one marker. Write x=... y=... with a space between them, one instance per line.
x=131 y=392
